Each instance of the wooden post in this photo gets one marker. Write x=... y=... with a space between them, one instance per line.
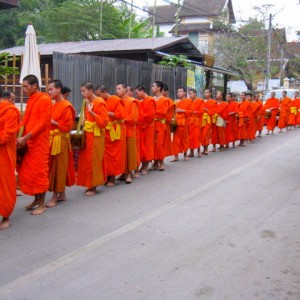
x=6 y=76
x=46 y=76
x=14 y=75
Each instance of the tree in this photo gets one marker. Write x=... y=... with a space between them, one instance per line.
x=176 y=61
x=4 y=68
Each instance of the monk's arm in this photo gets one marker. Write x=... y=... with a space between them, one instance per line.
x=120 y=113
x=162 y=112
x=150 y=113
x=132 y=118
x=65 y=124
x=10 y=127
x=101 y=116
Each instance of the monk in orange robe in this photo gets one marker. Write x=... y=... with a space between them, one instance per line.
x=184 y=110
x=271 y=107
x=131 y=119
x=219 y=123
x=91 y=167
x=254 y=118
x=169 y=117
x=284 y=111
x=9 y=124
x=231 y=122
x=61 y=171
x=147 y=109
x=261 y=115
x=33 y=172
x=245 y=112
x=162 y=106
x=195 y=123
x=293 y=111
x=115 y=135
x=210 y=106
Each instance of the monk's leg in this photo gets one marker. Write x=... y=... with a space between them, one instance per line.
x=128 y=179
x=205 y=150
x=161 y=165
x=185 y=156
x=199 y=152
x=34 y=203
x=53 y=201
x=41 y=206
x=62 y=196
x=145 y=168
x=110 y=181
x=154 y=166
x=214 y=148
x=4 y=223
x=191 y=153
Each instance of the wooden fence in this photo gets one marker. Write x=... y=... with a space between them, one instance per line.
x=74 y=69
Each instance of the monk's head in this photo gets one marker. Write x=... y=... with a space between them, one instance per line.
x=87 y=90
x=272 y=94
x=140 y=92
x=249 y=96
x=66 y=92
x=219 y=96
x=129 y=91
x=207 y=94
x=165 y=90
x=30 y=85
x=9 y=96
x=157 y=87
x=121 y=90
x=55 y=88
x=296 y=94
x=243 y=96
x=102 y=91
x=181 y=93
x=229 y=97
x=193 y=94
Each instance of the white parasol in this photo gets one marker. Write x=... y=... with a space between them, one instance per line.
x=31 y=61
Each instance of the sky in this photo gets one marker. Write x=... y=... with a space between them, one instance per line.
x=286 y=12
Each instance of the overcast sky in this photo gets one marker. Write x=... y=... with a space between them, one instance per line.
x=287 y=12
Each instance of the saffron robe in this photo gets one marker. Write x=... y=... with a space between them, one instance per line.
x=195 y=123
x=271 y=121
x=231 y=127
x=284 y=112
x=207 y=119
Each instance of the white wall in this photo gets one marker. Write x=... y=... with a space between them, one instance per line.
x=165 y=28
x=194 y=20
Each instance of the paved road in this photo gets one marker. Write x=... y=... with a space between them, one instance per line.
x=224 y=226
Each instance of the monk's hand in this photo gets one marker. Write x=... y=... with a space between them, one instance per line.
x=53 y=122
x=21 y=142
x=206 y=109
x=111 y=114
x=179 y=110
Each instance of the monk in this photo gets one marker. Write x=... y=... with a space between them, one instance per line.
x=131 y=119
x=271 y=107
x=195 y=123
x=61 y=171
x=293 y=111
x=162 y=106
x=91 y=168
x=210 y=106
x=245 y=112
x=219 y=123
x=284 y=111
x=115 y=135
x=231 y=122
x=147 y=109
x=169 y=117
x=9 y=125
x=261 y=115
x=184 y=109
x=33 y=172
x=254 y=118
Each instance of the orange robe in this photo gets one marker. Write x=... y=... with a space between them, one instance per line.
x=181 y=134
x=195 y=123
x=298 y=114
x=284 y=110
x=245 y=112
x=218 y=133
x=293 y=112
x=9 y=124
x=231 y=127
x=168 y=136
x=255 y=107
x=91 y=166
x=61 y=170
x=131 y=109
x=207 y=119
x=271 y=121
x=162 y=106
x=138 y=138
x=260 y=117
x=115 y=137
x=146 y=126
x=33 y=172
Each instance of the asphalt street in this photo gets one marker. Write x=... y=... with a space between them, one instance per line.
x=224 y=226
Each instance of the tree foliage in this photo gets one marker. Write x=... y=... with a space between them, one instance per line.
x=5 y=59
x=71 y=20
x=176 y=61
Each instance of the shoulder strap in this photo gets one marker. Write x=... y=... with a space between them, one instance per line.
x=81 y=116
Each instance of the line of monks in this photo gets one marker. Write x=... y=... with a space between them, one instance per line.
x=122 y=135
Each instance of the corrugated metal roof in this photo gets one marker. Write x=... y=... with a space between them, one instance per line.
x=103 y=46
x=164 y=14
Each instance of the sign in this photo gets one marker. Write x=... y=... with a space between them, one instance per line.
x=191 y=79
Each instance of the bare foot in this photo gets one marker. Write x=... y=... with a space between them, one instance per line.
x=90 y=192
x=128 y=179
x=153 y=168
x=32 y=205
x=144 y=172
x=186 y=158
x=122 y=177
x=110 y=184
x=4 y=223
x=191 y=155
x=38 y=211
x=136 y=175
x=61 y=197
x=53 y=201
x=175 y=159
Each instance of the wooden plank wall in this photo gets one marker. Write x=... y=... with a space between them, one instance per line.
x=74 y=69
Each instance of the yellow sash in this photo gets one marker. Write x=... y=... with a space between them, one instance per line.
x=205 y=119
x=215 y=116
x=92 y=127
x=163 y=121
x=55 y=140
x=294 y=110
x=115 y=134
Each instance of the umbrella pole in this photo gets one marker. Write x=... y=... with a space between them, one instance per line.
x=21 y=92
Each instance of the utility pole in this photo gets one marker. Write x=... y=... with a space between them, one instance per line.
x=177 y=18
x=130 y=20
x=153 y=20
x=269 y=52
x=101 y=20
x=281 y=63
